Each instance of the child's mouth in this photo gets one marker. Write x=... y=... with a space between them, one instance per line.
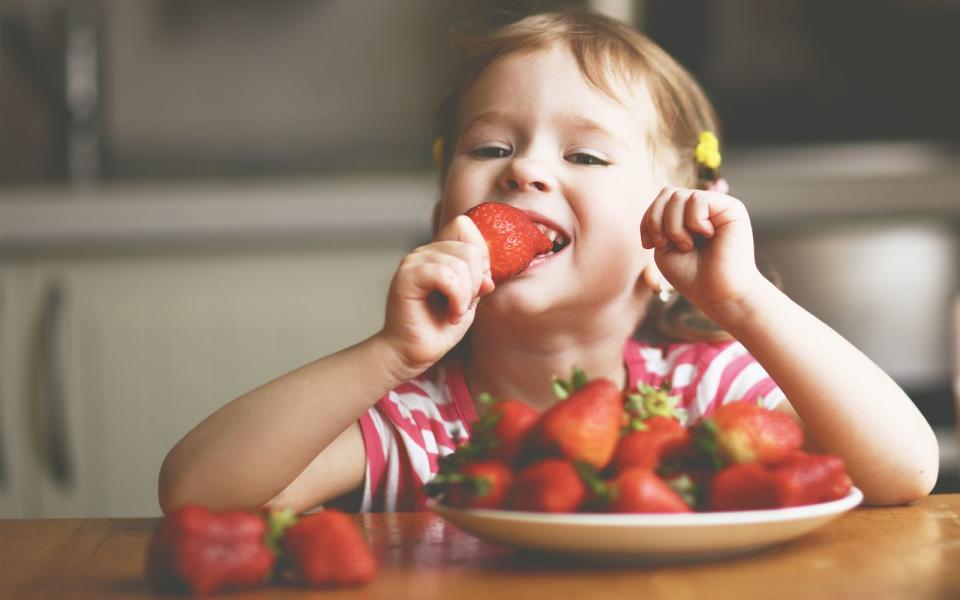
x=560 y=243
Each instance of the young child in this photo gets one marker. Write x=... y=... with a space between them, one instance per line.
x=602 y=138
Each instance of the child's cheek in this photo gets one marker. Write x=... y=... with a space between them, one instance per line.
x=455 y=199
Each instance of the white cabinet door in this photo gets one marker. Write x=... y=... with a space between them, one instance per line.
x=48 y=434
x=13 y=438
x=151 y=345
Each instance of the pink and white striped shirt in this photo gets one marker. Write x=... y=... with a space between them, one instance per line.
x=411 y=427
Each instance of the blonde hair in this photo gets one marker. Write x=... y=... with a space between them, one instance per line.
x=607 y=52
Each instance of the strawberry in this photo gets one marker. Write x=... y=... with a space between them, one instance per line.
x=585 y=425
x=513 y=240
x=640 y=490
x=804 y=478
x=744 y=486
x=506 y=425
x=652 y=441
x=552 y=485
x=796 y=480
x=207 y=552
x=326 y=549
x=742 y=431
x=481 y=484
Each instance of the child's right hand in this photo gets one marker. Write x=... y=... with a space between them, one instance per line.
x=434 y=293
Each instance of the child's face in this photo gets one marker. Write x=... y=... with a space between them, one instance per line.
x=534 y=134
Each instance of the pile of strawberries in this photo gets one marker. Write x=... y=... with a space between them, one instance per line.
x=600 y=450
x=202 y=552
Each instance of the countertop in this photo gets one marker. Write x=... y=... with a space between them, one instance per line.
x=892 y=552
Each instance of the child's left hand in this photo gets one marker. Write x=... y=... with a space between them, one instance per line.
x=703 y=245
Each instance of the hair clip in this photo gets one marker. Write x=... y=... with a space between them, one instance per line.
x=438 y=152
x=707 y=152
x=707 y=155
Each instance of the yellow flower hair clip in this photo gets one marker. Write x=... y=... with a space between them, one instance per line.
x=438 y=152
x=707 y=152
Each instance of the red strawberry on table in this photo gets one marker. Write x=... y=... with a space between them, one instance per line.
x=744 y=486
x=743 y=431
x=652 y=441
x=505 y=426
x=513 y=240
x=327 y=550
x=552 y=485
x=640 y=490
x=804 y=478
x=585 y=424
x=481 y=484
x=797 y=480
x=207 y=552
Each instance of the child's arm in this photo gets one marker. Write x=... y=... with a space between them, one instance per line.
x=294 y=440
x=847 y=404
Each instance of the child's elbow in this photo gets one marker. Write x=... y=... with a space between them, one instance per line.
x=168 y=493
x=914 y=482
x=921 y=480
x=173 y=490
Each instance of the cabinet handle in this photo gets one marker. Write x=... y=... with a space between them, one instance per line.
x=50 y=409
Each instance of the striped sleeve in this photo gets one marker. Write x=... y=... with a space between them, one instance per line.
x=731 y=373
x=405 y=434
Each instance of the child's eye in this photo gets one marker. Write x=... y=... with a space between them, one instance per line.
x=491 y=152
x=582 y=158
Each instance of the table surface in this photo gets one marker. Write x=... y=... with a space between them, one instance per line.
x=900 y=552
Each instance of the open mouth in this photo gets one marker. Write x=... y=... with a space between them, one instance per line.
x=558 y=238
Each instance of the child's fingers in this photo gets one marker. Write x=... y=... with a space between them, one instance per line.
x=715 y=211
x=470 y=255
x=463 y=229
x=434 y=276
x=651 y=226
x=464 y=278
x=696 y=215
x=673 y=220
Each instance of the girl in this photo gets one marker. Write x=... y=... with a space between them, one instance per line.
x=593 y=130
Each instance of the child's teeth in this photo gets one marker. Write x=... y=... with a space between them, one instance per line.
x=551 y=235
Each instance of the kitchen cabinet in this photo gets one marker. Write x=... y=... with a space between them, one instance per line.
x=109 y=358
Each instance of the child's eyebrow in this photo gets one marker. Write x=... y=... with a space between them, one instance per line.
x=492 y=117
x=583 y=123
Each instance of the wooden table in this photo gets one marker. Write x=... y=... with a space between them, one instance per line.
x=904 y=552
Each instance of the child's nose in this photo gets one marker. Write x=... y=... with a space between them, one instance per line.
x=523 y=175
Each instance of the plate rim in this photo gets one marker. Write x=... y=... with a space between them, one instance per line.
x=696 y=519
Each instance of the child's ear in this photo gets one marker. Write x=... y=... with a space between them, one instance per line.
x=651 y=277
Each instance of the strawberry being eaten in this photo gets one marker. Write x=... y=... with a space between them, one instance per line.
x=513 y=239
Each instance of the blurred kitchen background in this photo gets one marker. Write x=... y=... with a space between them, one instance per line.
x=199 y=195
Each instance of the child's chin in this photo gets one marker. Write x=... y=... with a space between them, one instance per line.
x=527 y=296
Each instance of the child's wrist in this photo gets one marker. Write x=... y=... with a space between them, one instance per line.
x=745 y=309
x=396 y=368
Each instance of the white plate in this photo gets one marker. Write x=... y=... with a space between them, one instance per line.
x=648 y=537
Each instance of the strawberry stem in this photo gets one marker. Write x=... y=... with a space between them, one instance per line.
x=706 y=439
x=603 y=492
x=563 y=388
x=278 y=521
x=649 y=401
